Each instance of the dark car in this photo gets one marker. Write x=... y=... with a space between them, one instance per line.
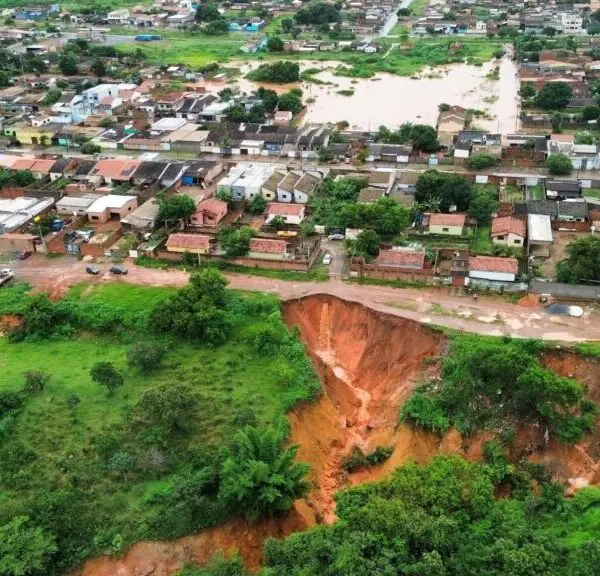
x=94 y=270
x=118 y=270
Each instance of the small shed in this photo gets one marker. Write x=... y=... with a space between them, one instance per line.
x=540 y=235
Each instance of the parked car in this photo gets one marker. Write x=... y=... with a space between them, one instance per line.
x=5 y=275
x=94 y=270
x=335 y=237
x=327 y=259
x=118 y=269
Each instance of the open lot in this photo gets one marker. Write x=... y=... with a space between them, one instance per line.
x=561 y=240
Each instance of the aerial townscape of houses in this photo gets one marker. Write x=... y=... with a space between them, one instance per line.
x=102 y=156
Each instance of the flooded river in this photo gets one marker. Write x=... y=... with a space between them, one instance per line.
x=387 y=99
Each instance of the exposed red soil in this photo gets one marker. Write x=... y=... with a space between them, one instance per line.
x=9 y=322
x=369 y=362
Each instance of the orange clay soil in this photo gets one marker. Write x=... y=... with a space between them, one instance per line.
x=369 y=363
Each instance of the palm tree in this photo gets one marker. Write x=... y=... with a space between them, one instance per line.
x=260 y=476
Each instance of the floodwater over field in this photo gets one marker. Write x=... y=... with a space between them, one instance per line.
x=387 y=99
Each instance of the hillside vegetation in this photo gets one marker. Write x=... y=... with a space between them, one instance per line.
x=187 y=387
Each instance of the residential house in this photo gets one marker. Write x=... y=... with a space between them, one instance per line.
x=190 y=243
x=200 y=173
x=306 y=186
x=148 y=173
x=539 y=235
x=562 y=189
x=75 y=205
x=272 y=249
x=493 y=269
x=393 y=153
x=115 y=170
x=285 y=188
x=111 y=207
x=572 y=211
x=209 y=213
x=143 y=219
x=58 y=168
x=16 y=212
x=446 y=224
x=269 y=188
x=282 y=118
x=118 y=17
x=508 y=231
x=179 y=21
x=411 y=259
x=291 y=213
x=450 y=123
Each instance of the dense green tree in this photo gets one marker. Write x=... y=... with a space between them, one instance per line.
x=590 y=113
x=367 y=244
x=290 y=102
x=318 y=13
x=25 y=550
x=122 y=463
x=450 y=189
x=105 y=374
x=424 y=138
x=169 y=408
x=559 y=164
x=217 y=27
x=90 y=148
x=173 y=208
x=235 y=242
x=226 y=94
x=483 y=204
x=35 y=380
x=554 y=96
x=481 y=160
x=196 y=311
x=269 y=98
x=52 y=96
x=207 y=12
x=98 y=67
x=68 y=64
x=582 y=262
x=260 y=476
x=275 y=44
x=280 y=72
x=527 y=91
x=287 y=24
x=146 y=356
x=257 y=205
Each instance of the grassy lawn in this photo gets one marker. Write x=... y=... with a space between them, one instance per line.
x=66 y=434
x=399 y=29
x=482 y=243
x=536 y=193
x=591 y=193
x=512 y=194
x=200 y=49
x=318 y=272
x=417 y=7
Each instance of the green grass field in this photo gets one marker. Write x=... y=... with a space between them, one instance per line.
x=62 y=438
x=482 y=243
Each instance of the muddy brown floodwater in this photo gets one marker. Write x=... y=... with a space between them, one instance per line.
x=368 y=362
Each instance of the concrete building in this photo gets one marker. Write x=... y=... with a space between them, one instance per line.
x=17 y=212
x=493 y=269
x=191 y=243
x=111 y=207
x=446 y=224
x=75 y=205
x=540 y=235
x=291 y=213
x=508 y=231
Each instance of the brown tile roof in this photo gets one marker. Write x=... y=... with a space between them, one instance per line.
x=268 y=246
x=401 y=259
x=447 y=220
x=23 y=164
x=42 y=166
x=568 y=138
x=284 y=209
x=213 y=205
x=307 y=183
x=493 y=264
x=188 y=241
x=120 y=168
x=508 y=225
x=289 y=182
x=273 y=181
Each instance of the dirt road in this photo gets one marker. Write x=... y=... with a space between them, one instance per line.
x=489 y=315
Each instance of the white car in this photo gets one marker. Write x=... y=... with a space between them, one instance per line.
x=327 y=259
x=335 y=237
x=6 y=272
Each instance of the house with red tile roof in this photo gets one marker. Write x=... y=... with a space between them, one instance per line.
x=267 y=248
x=209 y=213
x=446 y=224
x=493 y=268
x=115 y=170
x=291 y=213
x=508 y=231
x=401 y=259
x=192 y=243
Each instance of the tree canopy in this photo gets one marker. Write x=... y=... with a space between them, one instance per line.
x=559 y=164
x=582 y=262
x=318 y=13
x=260 y=476
x=177 y=207
x=280 y=72
x=554 y=96
x=450 y=189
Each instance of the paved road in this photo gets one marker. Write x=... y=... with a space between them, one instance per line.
x=490 y=315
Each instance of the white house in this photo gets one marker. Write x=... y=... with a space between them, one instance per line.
x=508 y=231
x=118 y=17
x=493 y=269
x=291 y=213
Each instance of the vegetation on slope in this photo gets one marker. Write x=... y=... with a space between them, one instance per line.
x=86 y=472
x=444 y=519
x=495 y=384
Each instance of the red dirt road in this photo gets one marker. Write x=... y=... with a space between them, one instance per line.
x=490 y=315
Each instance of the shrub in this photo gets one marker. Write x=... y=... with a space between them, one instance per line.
x=35 y=380
x=425 y=411
x=559 y=165
x=481 y=160
x=105 y=374
x=146 y=356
